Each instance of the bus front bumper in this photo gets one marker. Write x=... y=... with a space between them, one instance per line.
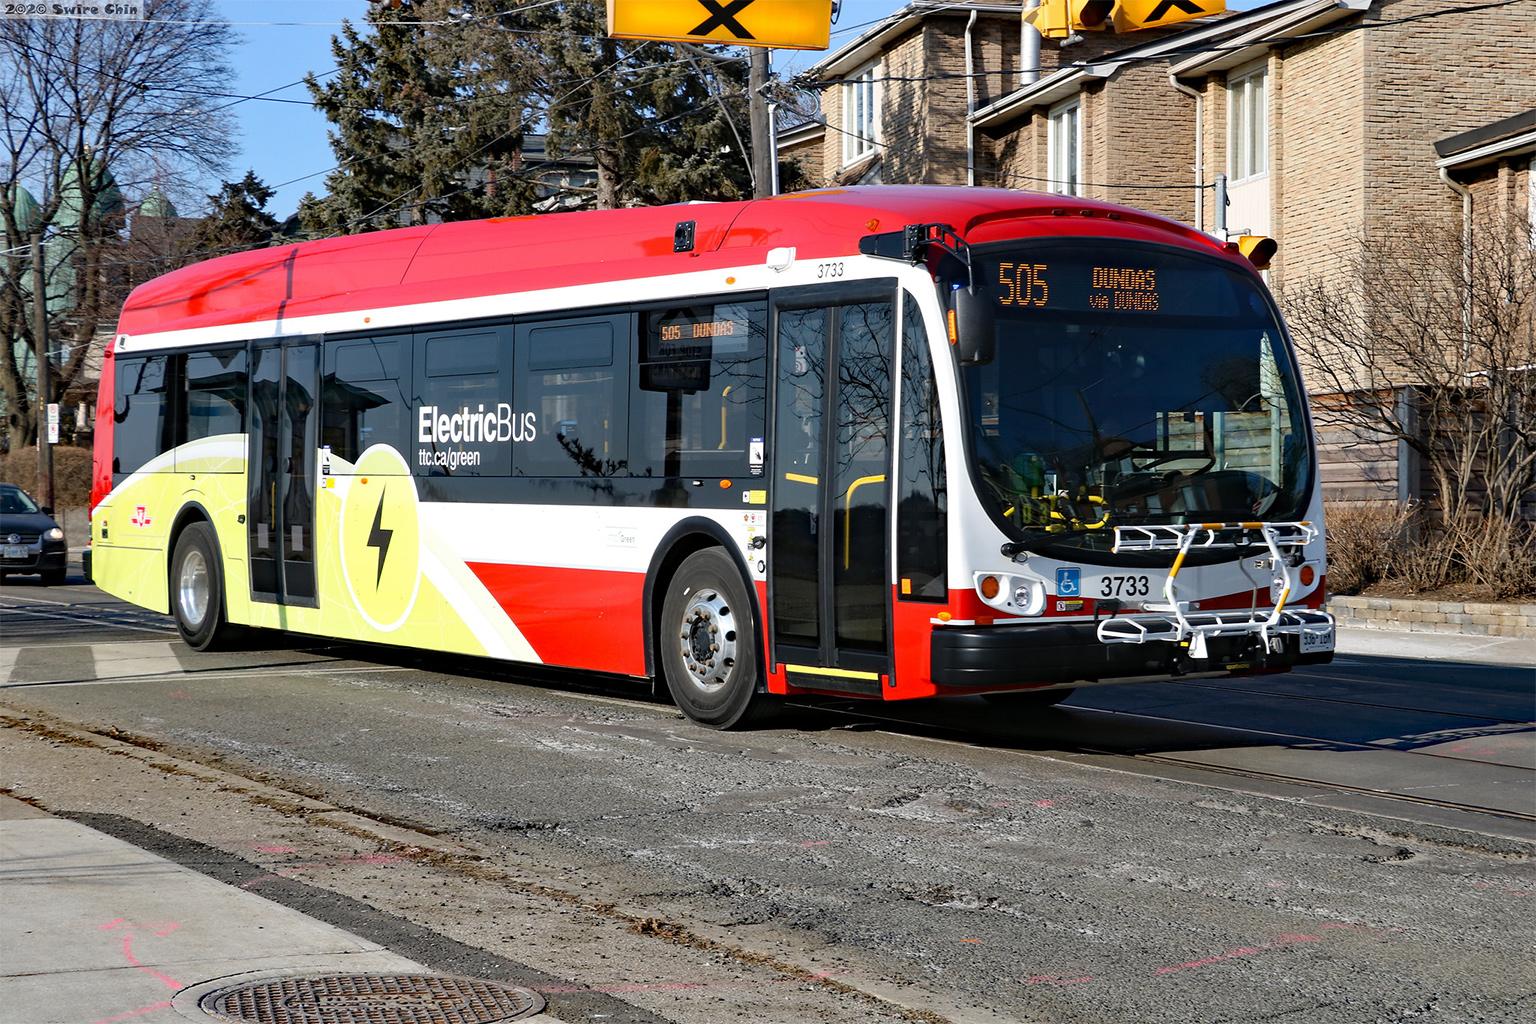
x=991 y=657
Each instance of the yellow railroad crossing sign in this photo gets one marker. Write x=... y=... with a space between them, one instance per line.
x=1131 y=15
x=785 y=24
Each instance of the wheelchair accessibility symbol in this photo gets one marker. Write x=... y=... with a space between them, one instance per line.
x=1069 y=582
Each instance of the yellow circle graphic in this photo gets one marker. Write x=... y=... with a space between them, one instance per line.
x=381 y=538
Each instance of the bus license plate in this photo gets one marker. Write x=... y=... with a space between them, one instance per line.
x=1316 y=639
x=1133 y=585
x=15 y=551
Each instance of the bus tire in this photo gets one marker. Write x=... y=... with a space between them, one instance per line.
x=1029 y=698
x=197 y=590
x=708 y=644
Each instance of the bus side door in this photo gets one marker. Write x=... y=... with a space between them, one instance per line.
x=828 y=586
x=280 y=501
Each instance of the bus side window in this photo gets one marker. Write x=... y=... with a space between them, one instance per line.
x=922 y=548
x=462 y=422
x=362 y=401
x=143 y=426
x=702 y=391
x=569 y=400
x=214 y=386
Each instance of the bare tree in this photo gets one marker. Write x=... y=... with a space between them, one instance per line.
x=91 y=107
x=1428 y=336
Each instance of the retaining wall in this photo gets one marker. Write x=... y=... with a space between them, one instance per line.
x=1514 y=620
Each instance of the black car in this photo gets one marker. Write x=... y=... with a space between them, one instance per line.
x=31 y=543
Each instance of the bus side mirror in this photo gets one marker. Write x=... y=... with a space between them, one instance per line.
x=972 y=326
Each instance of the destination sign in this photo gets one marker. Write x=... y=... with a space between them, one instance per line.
x=1108 y=282
x=680 y=343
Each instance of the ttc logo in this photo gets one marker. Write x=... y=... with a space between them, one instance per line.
x=1069 y=582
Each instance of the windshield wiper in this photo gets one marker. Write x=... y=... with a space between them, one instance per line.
x=1014 y=548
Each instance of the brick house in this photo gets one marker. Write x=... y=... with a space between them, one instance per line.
x=1330 y=120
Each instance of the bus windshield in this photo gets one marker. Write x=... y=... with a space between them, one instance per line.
x=1131 y=385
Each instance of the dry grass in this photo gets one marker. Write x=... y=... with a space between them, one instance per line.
x=71 y=474
x=1376 y=543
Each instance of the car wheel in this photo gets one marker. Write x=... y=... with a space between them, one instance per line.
x=708 y=644
x=1029 y=698
x=197 y=591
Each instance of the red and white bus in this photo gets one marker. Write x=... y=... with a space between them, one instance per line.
x=886 y=442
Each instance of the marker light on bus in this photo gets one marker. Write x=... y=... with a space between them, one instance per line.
x=1016 y=595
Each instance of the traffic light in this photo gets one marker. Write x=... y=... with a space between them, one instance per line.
x=1259 y=249
x=1058 y=19
x=1051 y=19
x=1092 y=15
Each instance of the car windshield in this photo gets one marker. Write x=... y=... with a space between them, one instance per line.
x=14 y=501
x=1131 y=385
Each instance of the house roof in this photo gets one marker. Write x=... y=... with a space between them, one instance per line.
x=873 y=41
x=1221 y=43
x=1282 y=23
x=799 y=134
x=1510 y=137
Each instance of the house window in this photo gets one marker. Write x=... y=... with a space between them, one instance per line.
x=1247 y=126
x=861 y=117
x=1065 y=150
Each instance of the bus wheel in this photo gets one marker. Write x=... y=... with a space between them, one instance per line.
x=197 y=590
x=1028 y=698
x=708 y=644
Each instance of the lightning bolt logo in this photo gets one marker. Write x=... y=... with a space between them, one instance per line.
x=378 y=537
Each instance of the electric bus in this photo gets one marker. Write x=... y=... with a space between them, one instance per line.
x=884 y=442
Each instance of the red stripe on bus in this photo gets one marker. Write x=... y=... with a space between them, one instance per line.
x=578 y=618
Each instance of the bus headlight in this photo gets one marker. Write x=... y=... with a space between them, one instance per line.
x=1016 y=595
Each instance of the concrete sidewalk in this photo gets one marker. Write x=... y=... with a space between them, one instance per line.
x=1482 y=650
x=97 y=930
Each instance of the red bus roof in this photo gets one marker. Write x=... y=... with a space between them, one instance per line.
x=467 y=259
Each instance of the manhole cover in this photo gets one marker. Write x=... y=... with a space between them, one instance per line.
x=373 y=998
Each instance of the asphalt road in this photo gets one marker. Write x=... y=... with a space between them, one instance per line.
x=1350 y=843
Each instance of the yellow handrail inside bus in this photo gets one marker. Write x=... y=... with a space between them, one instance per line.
x=848 y=514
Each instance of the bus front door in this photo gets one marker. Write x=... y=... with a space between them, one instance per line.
x=280 y=501
x=829 y=596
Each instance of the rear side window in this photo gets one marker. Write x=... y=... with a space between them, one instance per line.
x=362 y=396
x=215 y=387
x=142 y=427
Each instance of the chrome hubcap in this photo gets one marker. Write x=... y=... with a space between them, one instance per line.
x=192 y=588
x=707 y=640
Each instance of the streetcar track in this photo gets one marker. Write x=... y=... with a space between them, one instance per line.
x=1348 y=703
x=1335 y=786
x=948 y=734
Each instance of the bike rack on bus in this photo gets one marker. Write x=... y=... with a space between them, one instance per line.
x=1197 y=629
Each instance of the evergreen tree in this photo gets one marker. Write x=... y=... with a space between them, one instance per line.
x=426 y=122
x=430 y=108
x=664 y=123
x=237 y=218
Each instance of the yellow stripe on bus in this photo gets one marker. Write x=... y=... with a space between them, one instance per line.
x=841 y=673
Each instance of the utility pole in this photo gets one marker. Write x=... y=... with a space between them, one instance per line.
x=763 y=157
x=44 y=387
